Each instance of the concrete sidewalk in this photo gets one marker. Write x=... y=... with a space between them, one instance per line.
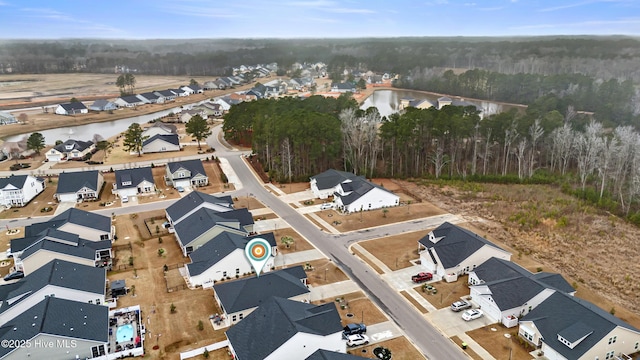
x=298 y=257
x=372 y=258
x=333 y=290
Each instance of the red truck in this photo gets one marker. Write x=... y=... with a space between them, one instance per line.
x=422 y=277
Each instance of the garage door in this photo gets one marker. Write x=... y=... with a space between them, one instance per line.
x=53 y=157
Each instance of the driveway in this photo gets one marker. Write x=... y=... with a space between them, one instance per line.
x=451 y=323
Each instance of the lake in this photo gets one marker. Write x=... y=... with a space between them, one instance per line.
x=388 y=101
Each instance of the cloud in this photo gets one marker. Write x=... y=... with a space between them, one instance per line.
x=329 y=6
x=200 y=11
x=79 y=26
x=495 y=8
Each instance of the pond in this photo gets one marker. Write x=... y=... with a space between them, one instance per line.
x=388 y=101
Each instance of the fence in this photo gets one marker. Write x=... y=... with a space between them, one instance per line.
x=119 y=263
x=177 y=285
x=200 y=351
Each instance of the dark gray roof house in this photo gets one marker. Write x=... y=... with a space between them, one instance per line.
x=59 y=318
x=62 y=242
x=204 y=219
x=102 y=105
x=251 y=292
x=331 y=178
x=454 y=244
x=195 y=167
x=71 y=145
x=276 y=321
x=71 y=182
x=85 y=218
x=194 y=200
x=220 y=247
x=496 y=270
x=168 y=138
x=356 y=189
x=322 y=354
x=71 y=108
x=572 y=326
x=57 y=273
x=149 y=97
x=167 y=94
x=131 y=178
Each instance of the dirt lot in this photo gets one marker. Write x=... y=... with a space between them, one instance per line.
x=446 y=292
x=395 y=251
x=299 y=243
x=492 y=338
x=401 y=349
x=356 y=307
x=322 y=272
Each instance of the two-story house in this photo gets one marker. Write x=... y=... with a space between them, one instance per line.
x=18 y=190
x=186 y=174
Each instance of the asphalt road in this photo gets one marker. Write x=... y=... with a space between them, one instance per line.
x=425 y=336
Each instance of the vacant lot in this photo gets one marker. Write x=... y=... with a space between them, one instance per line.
x=401 y=349
x=492 y=338
x=446 y=293
x=321 y=272
x=356 y=307
x=396 y=251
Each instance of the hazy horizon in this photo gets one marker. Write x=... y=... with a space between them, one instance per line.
x=314 y=19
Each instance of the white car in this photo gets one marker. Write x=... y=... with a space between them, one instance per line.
x=472 y=314
x=326 y=206
x=357 y=339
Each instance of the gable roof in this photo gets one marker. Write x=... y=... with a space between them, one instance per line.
x=170 y=128
x=72 y=182
x=84 y=218
x=100 y=104
x=60 y=242
x=71 y=145
x=513 y=292
x=16 y=181
x=58 y=317
x=58 y=273
x=322 y=354
x=169 y=138
x=134 y=176
x=331 y=178
x=149 y=96
x=276 y=321
x=131 y=99
x=204 y=219
x=251 y=292
x=73 y=106
x=343 y=86
x=194 y=166
x=357 y=188
x=166 y=93
x=194 y=199
x=453 y=244
x=559 y=314
x=220 y=247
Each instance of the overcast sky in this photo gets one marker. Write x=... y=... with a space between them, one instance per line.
x=152 y=19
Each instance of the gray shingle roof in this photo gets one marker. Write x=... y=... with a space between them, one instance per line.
x=498 y=269
x=85 y=218
x=71 y=245
x=71 y=182
x=555 y=281
x=559 y=313
x=251 y=292
x=166 y=93
x=169 y=138
x=167 y=127
x=71 y=145
x=276 y=321
x=194 y=166
x=455 y=245
x=194 y=199
x=58 y=317
x=204 y=219
x=131 y=99
x=322 y=354
x=73 y=106
x=357 y=188
x=149 y=96
x=218 y=248
x=331 y=178
x=134 y=176
x=15 y=180
x=514 y=292
x=58 y=273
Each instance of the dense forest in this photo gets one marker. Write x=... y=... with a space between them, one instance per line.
x=295 y=139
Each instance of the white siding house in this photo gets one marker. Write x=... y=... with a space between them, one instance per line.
x=18 y=190
x=362 y=195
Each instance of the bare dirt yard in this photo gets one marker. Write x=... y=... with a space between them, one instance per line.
x=401 y=349
x=356 y=307
x=492 y=338
x=395 y=251
x=321 y=272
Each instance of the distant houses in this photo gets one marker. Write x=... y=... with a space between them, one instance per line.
x=103 y=105
x=7 y=119
x=71 y=150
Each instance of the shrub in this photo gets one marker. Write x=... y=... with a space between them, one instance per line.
x=200 y=325
x=205 y=354
x=172 y=308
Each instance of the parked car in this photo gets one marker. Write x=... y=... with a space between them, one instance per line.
x=421 y=277
x=326 y=206
x=460 y=305
x=357 y=340
x=354 y=329
x=180 y=189
x=15 y=167
x=14 y=275
x=472 y=314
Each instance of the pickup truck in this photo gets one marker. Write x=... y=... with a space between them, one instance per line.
x=422 y=277
x=353 y=329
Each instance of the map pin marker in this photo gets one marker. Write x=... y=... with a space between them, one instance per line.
x=258 y=252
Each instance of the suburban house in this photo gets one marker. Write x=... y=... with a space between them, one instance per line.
x=80 y=330
x=103 y=105
x=418 y=104
x=185 y=116
x=87 y=225
x=326 y=184
x=179 y=92
x=18 y=190
x=209 y=109
x=205 y=224
x=160 y=128
x=564 y=327
x=32 y=252
x=186 y=174
x=62 y=279
x=151 y=98
x=129 y=101
x=168 y=95
x=450 y=251
x=282 y=329
x=322 y=354
x=361 y=195
x=444 y=101
x=71 y=150
x=506 y=291
x=133 y=182
x=192 y=89
x=193 y=202
x=343 y=87
x=79 y=186
x=161 y=143
x=6 y=118
x=239 y=298
x=71 y=108
x=210 y=85
x=223 y=257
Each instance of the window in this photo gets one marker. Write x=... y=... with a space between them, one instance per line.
x=237 y=271
x=224 y=274
x=241 y=316
x=234 y=318
x=609 y=355
x=636 y=347
x=612 y=340
x=97 y=301
x=104 y=237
